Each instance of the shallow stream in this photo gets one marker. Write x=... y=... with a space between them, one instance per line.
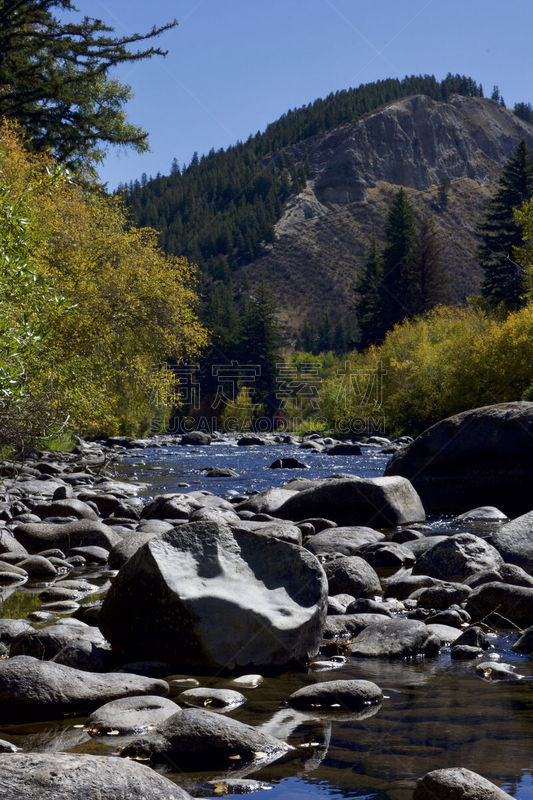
x=437 y=712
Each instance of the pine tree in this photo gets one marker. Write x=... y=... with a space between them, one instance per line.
x=259 y=344
x=368 y=303
x=433 y=278
x=500 y=233
x=54 y=79
x=400 y=287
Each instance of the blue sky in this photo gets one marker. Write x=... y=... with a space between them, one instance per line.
x=235 y=65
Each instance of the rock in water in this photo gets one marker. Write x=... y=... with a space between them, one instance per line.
x=457 y=783
x=32 y=689
x=196 y=739
x=479 y=457
x=205 y=597
x=66 y=776
x=378 y=502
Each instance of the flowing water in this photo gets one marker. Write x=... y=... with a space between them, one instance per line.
x=436 y=712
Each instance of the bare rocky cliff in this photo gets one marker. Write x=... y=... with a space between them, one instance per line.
x=323 y=235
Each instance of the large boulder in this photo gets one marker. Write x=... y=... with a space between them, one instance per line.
x=514 y=541
x=39 y=536
x=352 y=575
x=457 y=783
x=483 y=456
x=376 y=502
x=70 y=776
x=33 y=689
x=458 y=557
x=205 y=597
x=502 y=604
x=345 y=540
x=395 y=638
x=197 y=739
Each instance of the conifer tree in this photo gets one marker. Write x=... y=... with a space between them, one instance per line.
x=259 y=344
x=500 y=233
x=54 y=79
x=400 y=287
x=369 y=301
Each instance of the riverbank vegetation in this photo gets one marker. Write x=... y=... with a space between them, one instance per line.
x=91 y=307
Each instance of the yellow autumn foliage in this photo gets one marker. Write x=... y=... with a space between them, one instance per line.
x=123 y=308
x=449 y=360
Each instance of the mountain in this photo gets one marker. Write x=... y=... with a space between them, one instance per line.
x=295 y=207
x=355 y=169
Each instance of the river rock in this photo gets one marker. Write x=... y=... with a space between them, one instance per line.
x=39 y=536
x=387 y=554
x=341 y=695
x=288 y=463
x=458 y=557
x=344 y=450
x=214 y=699
x=395 y=638
x=196 y=739
x=69 y=776
x=478 y=457
x=249 y=440
x=33 y=689
x=442 y=595
x=474 y=637
x=83 y=647
x=376 y=502
x=206 y=597
x=352 y=575
x=345 y=540
x=346 y=626
x=196 y=438
x=267 y=502
x=71 y=507
x=457 y=783
x=507 y=573
x=402 y=584
x=514 y=541
x=38 y=567
x=501 y=604
x=482 y=514
x=220 y=472
x=127 y=546
x=130 y=715
x=524 y=644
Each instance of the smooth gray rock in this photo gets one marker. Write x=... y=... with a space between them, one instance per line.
x=473 y=637
x=482 y=514
x=524 y=644
x=212 y=698
x=514 y=541
x=267 y=502
x=341 y=695
x=507 y=573
x=352 y=575
x=11 y=628
x=127 y=546
x=482 y=456
x=33 y=689
x=288 y=463
x=501 y=604
x=206 y=597
x=345 y=540
x=457 y=783
x=66 y=776
x=346 y=626
x=83 y=647
x=71 y=507
x=196 y=739
x=196 y=438
x=40 y=536
x=442 y=595
x=402 y=584
x=387 y=554
x=220 y=472
x=395 y=638
x=130 y=715
x=38 y=567
x=376 y=502
x=458 y=557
